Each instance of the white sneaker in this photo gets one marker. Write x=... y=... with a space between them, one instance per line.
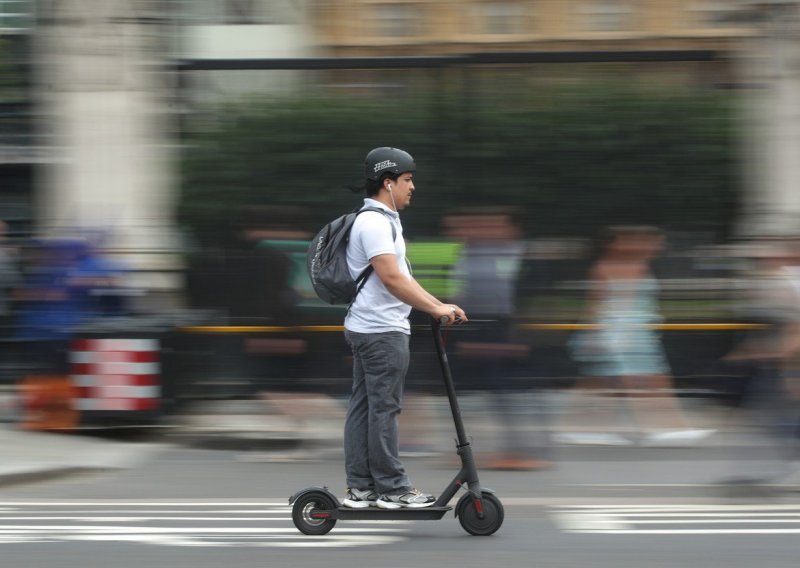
x=412 y=499
x=360 y=499
x=591 y=439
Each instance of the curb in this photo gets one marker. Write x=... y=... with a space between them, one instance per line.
x=46 y=474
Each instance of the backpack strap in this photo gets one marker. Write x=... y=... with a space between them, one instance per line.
x=379 y=210
x=362 y=278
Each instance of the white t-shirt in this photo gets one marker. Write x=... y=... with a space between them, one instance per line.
x=375 y=309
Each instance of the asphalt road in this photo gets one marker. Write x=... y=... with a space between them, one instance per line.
x=210 y=508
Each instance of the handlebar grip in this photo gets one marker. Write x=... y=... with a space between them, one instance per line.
x=443 y=320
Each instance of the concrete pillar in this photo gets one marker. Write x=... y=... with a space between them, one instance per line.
x=770 y=71
x=105 y=102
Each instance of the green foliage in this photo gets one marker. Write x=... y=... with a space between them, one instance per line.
x=7 y=79
x=11 y=74
x=569 y=158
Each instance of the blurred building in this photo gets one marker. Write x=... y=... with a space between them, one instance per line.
x=19 y=150
x=244 y=29
x=90 y=108
x=756 y=47
x=104 y=99
x=99 y=75
x=419 y=27
x=769 y=67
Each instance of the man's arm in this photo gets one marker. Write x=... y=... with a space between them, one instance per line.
x=408 y=290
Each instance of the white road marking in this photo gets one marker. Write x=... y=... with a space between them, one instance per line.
x=202 y=523
x=689 y=507
x=183 y=539
x=138 y=503
x=86 y=519
x=708 y=520
x=188 y=530
x=700 y=531
x=578 y=523
x=282 y=510
x=707 y=515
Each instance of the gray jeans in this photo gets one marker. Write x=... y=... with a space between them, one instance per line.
x=371 y=436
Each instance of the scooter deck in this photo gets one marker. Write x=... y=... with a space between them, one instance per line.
x=376 y=513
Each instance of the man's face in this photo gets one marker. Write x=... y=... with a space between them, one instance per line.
x=402 y=190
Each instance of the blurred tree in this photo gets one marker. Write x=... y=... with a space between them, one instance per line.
x=5 y=74
x=573 y=157
x=11 y=75
x=302 y=153
x=16 y=124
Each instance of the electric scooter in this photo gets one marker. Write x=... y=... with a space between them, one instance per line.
x=315 y=510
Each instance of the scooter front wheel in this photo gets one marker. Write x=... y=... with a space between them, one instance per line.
x=471 y=521
x=311 y=513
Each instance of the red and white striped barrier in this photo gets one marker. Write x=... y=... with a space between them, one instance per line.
x=116 y=374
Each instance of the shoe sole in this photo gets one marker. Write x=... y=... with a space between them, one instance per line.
x=395 y=506
x=358 y=504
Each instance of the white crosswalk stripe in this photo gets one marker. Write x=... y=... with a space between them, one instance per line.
x=197 y=523
x=773 y=519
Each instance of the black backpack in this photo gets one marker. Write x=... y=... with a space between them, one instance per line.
x=327 y=260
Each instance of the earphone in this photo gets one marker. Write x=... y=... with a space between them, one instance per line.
x=391 y=195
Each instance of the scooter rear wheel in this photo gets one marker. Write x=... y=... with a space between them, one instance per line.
x=308 y=513
x=493 y=514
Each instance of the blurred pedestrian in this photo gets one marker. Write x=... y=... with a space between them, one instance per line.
x=9 y=281
x=377 y=330
x=622 y=351
x=488 y=272
x=49 y=306
x=771 y=357
x=98 y=283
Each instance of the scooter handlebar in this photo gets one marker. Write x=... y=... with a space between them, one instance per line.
x=444 y=319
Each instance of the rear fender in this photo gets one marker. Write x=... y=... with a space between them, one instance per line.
x=324 y=490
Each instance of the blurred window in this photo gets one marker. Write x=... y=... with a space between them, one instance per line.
x=607 y=15
x=15 y=15
x=714 y=14
x=396 y=20
x=502 y=18
x=242 y=12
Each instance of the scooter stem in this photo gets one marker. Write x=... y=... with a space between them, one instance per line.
x=461 y=436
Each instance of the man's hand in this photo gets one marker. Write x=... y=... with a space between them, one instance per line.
x=453 y=313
